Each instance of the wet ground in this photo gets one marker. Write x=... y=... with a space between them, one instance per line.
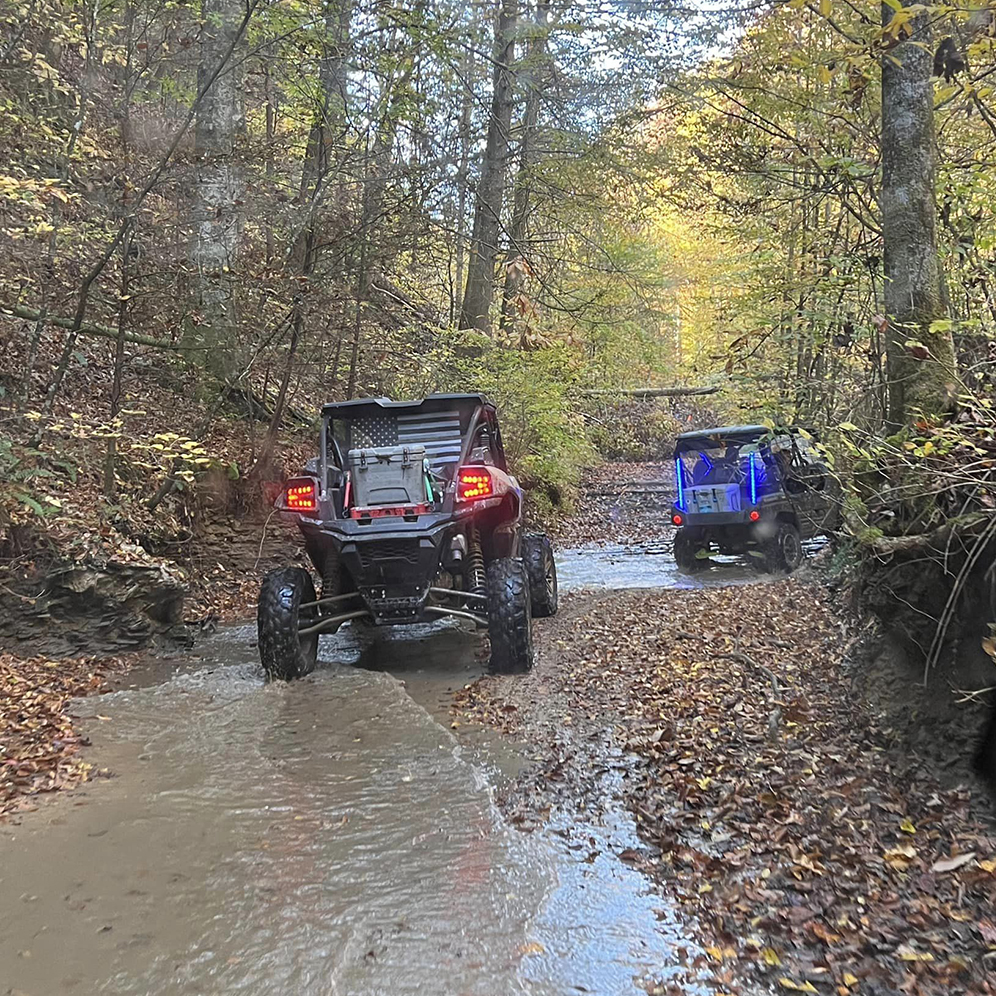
x=330 y=836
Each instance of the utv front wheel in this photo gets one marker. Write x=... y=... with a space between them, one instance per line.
x=509 y=622
x=537 y=555
x=686 y=554
x=283 y=651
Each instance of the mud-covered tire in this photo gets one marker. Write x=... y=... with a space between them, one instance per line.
x=685 y=550
x=758 y=561
x=283 y=653
x=984 y=761
x=335 y=581
x=783 y=553
x=537 y=555
x=509 y=617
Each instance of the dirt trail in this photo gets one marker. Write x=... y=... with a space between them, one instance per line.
x=690 y=793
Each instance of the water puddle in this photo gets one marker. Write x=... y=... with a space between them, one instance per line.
x=616 y=568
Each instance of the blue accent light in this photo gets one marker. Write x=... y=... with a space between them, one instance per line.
x=680 y=478
x=753 y=478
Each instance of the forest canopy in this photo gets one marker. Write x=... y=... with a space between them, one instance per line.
x=265 y=205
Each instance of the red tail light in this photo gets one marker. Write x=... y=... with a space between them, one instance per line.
x=677 y=519
x=474 y=483
x=301 y=496
x=755 y=515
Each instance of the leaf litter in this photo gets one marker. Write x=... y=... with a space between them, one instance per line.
x=806 y=847
x=40 y=741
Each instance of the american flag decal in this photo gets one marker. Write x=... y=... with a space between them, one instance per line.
x=382 y=430
x=438 y=432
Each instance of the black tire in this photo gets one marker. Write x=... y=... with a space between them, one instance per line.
x=537 y=555
x=685 y=550
x=783 y=553
x=334 y=578
x=279 y=616
x=509 y=619
x=757 y=560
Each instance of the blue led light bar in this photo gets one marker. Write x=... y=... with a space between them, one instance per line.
x=753 y=478
x=680 y=479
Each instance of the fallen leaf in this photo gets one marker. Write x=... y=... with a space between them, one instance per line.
x=953 y=863
x=799 y=987
x=907 y=954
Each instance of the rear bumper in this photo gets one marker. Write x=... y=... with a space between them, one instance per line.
x=707 y=520
x=391 y=561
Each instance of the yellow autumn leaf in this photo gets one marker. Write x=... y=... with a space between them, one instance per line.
x=850 y=980
x=824 y=74
x=770 y=956
x=907 y=827
x=799 y=987
x=534 y=947
x=825 y=7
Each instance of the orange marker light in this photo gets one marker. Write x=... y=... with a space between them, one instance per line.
x=301 y=498
x=474 y=483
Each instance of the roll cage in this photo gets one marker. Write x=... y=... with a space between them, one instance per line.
x=451 y=426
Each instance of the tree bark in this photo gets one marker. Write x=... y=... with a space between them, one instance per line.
x=463 y=178
x=535 y=78
x=220 y=185
x=476 y=307
x=913 y=280
x=330 y=109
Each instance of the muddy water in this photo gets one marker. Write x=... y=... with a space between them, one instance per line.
x=328 y=836
x=652 y=565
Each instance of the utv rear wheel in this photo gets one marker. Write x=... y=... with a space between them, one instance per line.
x=509 y=622
x=284 y=653
x=783 y=552
x=685 y=553
x=537 y=555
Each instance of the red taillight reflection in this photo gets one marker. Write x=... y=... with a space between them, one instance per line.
x=474 y=483
x=755 y=515
x=677 y=519
x=301 y=498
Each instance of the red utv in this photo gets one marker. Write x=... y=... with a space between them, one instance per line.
x=408 y=514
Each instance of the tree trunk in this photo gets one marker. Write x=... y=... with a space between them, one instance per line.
x=913 y=296
x=463 y=179
x=517 y=261
x=330 y=109
x=220 y=185
x=476 y=308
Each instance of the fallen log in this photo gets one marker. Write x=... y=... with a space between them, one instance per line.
x=650 y=392
x=103 y=331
